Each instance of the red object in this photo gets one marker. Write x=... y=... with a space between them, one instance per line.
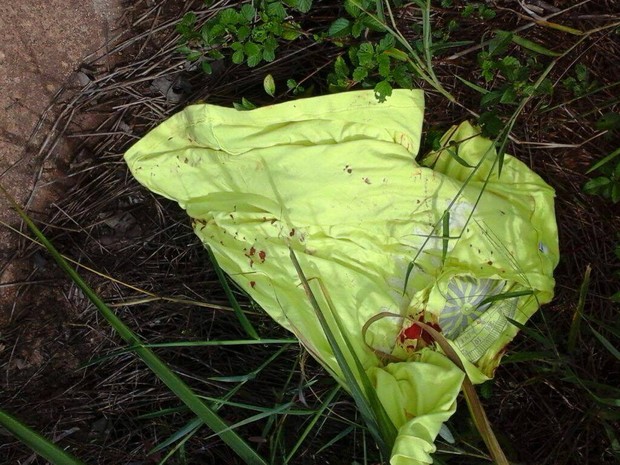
x=415 y=332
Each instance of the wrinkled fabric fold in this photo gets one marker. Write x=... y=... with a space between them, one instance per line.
x=335 y=178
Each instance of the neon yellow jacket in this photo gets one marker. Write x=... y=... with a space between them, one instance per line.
x=335 y=179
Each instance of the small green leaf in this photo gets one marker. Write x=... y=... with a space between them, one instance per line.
x=247 y=12
x=509 y=95
x=270 y=44
x=360 y=73
x=229 y=17
x=269 y=55
x=212 y=33
x=276 y=10
x=373 y=24
x=357 y=28
x=596 y=185
x=243 y=33
x=468 y=10
x=487 y=68
x=303 y=6
x=491 y=124
x=206 y=67
x=386 y=43
x=259 y=34
x=189 y=19
x=581 y=71
x=352 y=8
x=238 y=57
x=383 y=89
x=193 y=56
x=384 y=65
x=339 y=28
x=245 y=104
x=545 y=87
x=402 y=76
x=609 y=121
x=365 y=54
x=490 y=98
x=487 y=14
x=184 y=49
x=251 y=49
x=341 y=68
x=509 y=66
x=254 y=60
x=290 y=33
x=499 y=43
x=352 y=54
x=269 y=85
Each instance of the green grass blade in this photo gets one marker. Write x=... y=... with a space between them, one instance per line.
x=245 y=323
x=345 y=432
x=350 y=381
x=529 y=332
x=386 y=427
x=534 y=47
x=43 y=447
x=180 y=448
x=471 y=85
x=453 y=152
x=605 y=160
x=446 y=235
x=278 y=410
x=606 y=343
x=575 y=326
x=188 y=429
x=504 y=296
x=524 y=356
x=236 y=342
x=313 y=421
x=159 y=368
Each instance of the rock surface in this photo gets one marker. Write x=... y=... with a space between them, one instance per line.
x=44 y=43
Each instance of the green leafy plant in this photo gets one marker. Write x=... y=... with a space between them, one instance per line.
x=480 y=10
x=379 y=66
x=361 y=20
x=248 y=34
x=607 y=183
x=295 y=87
x=386 y=60
x=513 y=77
x=580 y=84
